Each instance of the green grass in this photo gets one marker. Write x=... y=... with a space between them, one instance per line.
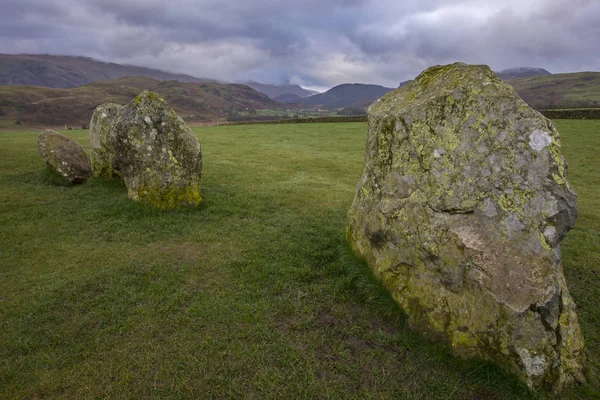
x=251 y=295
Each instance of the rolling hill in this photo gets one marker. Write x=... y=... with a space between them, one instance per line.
x=69 y=72
x=206 y=101
x=573 y=90
x=278 y=90
x=521 y=72
x=287 y=98
x=346 y=95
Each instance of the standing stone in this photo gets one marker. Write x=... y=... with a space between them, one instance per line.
x=156 y=153
x=101 y=129
x=64 y=156
x=460 y=210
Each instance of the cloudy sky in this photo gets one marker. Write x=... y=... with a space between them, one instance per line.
x=315 y=43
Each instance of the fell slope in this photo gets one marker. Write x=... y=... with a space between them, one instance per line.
x=277 y=90
x=287 y=98
x=346 y=95
x=69 y=72
x=573 y=90
x=205 y=101
x=521 y=72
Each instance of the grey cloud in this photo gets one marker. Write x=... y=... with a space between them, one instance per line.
x=554 y=36
x=133 y=42
x=314 y=41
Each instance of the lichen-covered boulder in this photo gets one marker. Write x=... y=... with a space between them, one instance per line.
x=460 y=210
x=156 y=153
x=64 y=156
x=101 y=152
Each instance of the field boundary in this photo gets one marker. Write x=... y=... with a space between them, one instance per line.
x=582 y=113
x=316 y=120
x=575 y=113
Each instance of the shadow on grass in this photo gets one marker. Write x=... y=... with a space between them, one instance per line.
x=370 y=290
x=490 y=378
x=43 y=176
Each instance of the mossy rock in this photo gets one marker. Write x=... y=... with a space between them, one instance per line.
x=64 y=156
x=460 y=210
x=101 y=129
x=156 y=153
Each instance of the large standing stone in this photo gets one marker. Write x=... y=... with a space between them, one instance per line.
x=460 y=210
x=156 y=153
x=64 y=156
x=101 y=129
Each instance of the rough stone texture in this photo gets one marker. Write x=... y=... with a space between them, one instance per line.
x=101 y=152
x=64 y=156
x=156 y=153
x=459 y=211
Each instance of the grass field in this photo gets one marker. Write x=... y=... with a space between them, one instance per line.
x=252 y=295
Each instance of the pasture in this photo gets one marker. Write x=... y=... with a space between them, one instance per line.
x=251 y=295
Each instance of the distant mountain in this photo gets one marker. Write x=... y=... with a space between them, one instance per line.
x=206 y=101
x=69 y=72
x=574 y=90
x=277 y=90
x=287 y=98
x=346 y=95
x=541 y=91
x=521 y=72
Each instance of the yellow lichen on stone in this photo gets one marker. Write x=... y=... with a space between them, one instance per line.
x=456 y=191
x=159 y=157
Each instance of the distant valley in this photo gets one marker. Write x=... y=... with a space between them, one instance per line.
x=59 y=90
x=281 y=91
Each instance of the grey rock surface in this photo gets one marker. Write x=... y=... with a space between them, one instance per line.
x=156 y=153
x=64 y=156
x=460 y=210
x=101 y=129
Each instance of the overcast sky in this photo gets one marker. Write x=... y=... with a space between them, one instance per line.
x=315 y=43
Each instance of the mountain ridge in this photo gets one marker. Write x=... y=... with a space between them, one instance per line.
x=521 y=72
x=65 y=72
x=274 y=91
x=346 y=95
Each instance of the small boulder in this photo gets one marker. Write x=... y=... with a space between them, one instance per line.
x=156 y=153
x=460 y=210
x=64 y=156
x=101 y=129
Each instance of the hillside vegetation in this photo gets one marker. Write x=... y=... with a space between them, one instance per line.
x=573 y=90
x=521 y=72
x=252 y=295
x=206 y=101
